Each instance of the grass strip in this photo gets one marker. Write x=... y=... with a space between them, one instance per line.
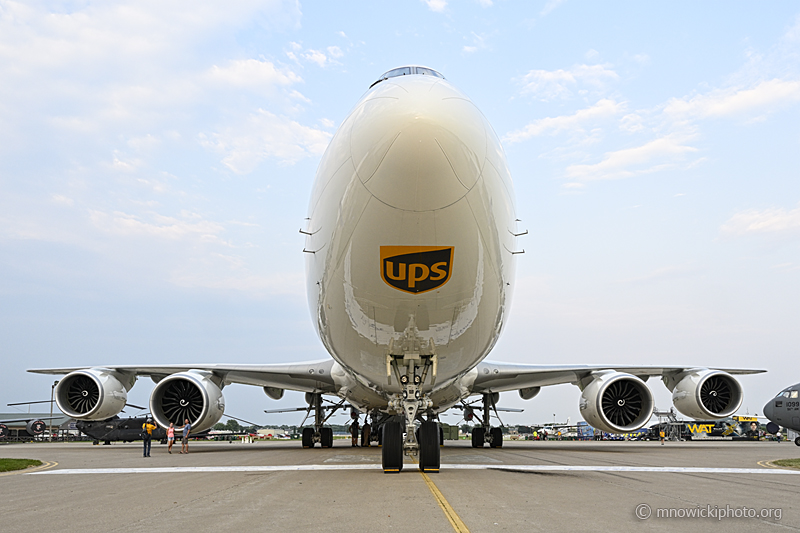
x=792 y=463
x=7 y=465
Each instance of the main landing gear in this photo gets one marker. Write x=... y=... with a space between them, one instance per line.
x=485 y=432
x=319 y=433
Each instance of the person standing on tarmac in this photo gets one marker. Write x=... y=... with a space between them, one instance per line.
x=365 y=431
x=187 y=427
x=354 y=433
x=147 y=435
x=170 y=436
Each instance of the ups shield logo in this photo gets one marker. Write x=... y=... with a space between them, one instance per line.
x=416 y=269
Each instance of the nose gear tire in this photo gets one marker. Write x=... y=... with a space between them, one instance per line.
x=392 y=449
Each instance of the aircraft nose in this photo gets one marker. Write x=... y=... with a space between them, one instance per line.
x=418 y=144
x=768 y=410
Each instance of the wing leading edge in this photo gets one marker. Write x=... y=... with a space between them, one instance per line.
x=500 y=377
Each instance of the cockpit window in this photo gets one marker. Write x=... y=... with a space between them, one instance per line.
x=785 y=394
x=407 y=71
x=793 y=394
x=428 y=72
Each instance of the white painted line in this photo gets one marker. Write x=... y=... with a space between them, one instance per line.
x=515 y=468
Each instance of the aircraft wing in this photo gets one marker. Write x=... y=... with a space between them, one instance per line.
x=499 y=377
x=314 y=376
x=32 y=418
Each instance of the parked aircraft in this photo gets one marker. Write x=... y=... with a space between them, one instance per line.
x=411 y=242
x=784 y=410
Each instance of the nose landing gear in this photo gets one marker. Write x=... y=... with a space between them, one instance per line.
x=423 y=443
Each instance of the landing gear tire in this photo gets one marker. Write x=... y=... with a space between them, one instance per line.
x=478 y=437
x=429 y=452
x=308 y=437
x=326 y=437
x=392 y=449
x=497 y=437
x=797 y=441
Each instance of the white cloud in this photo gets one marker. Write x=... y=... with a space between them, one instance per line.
x=264 y=135
x=436 y=6
x=253 y=73
x=61 y=199
x=631 y=123
x=315 y=56
x=776 y=220
x=651 y=157
x=161 y=226
x=602 y=109
x=550 y=6
x=335 y=51
x=222 y=279
x=765 y=97
x=485 y=3
x=478 y=43
x=551 y=84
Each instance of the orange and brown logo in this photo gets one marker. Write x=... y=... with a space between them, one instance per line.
x=416 y=269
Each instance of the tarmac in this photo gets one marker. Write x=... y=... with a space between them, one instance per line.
x=524 y=486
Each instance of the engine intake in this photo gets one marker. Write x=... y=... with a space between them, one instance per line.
x=191 y=395
x=705 y=393
x=616 y=402
x=93 y=394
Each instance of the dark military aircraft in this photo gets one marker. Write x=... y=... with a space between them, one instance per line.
x=784 y=410
x=130 y=429
x=117 y=429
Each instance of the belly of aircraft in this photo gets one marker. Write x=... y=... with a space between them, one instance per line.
x=405 y=235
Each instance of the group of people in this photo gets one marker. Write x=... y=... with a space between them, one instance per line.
x=147 y=436
x=365 y=433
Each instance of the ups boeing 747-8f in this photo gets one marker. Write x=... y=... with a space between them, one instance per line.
x=410 y=252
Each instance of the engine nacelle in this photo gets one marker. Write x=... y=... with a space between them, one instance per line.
x=704 y=393
x=35 y=427
x=274 y=392
x=194 y=395
x=93 y=394
x=616 y=402
x=529 y=393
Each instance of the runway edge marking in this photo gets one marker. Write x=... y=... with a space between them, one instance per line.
x=377 y=467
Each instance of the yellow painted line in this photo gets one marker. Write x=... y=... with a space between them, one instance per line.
x=767 y=464
x=449 y=512
x=44 y=466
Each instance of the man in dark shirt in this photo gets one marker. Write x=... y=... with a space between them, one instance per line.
x=354 y=432
x=187 y=427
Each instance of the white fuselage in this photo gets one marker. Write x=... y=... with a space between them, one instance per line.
x=414 y=165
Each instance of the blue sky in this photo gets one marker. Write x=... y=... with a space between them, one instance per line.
x=156 y=160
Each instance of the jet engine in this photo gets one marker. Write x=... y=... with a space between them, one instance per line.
x=93 y=394
x=195 y=395
x=616 y=402
x=35 y=427
x=704 y=393
x=529 y=393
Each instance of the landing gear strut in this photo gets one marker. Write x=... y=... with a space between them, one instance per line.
x=319 y=433
x=485 y=432
x=415 y=357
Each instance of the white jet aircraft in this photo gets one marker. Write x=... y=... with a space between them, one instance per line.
x=411 y=245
